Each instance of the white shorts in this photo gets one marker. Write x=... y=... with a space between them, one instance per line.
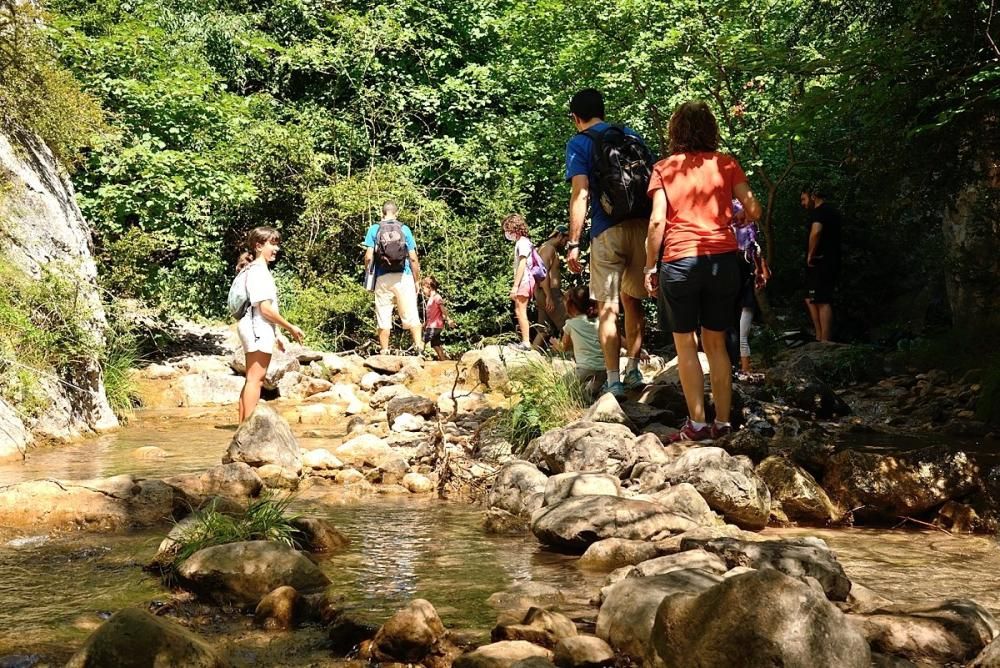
x=256 y=334
x=396 y=289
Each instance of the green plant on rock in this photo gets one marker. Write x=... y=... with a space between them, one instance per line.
x=118 y=357
x=547 y=399
x=265 y=518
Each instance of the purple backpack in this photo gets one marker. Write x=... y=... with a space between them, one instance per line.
x=537 y=266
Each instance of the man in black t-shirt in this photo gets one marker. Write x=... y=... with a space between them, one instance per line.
x=823 y=225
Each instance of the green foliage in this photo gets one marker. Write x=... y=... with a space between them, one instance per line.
x=266 y=518
x=118 y=359
x=37 y=94
x=334 y=315
x=853 y=364
x=546 y=400
x=43 y=332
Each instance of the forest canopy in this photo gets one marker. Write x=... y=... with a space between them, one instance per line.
x=200 y=119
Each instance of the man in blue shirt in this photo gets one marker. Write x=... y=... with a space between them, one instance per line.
x=618 y=251
x=397 y=289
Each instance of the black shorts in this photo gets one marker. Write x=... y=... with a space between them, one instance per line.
x=701 y=291
x=821 y=279
x=432 y=335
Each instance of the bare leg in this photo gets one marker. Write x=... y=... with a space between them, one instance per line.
x=417 y=333
x=719 y=370
x=825 y=332
x=607 y=333
x=692 y=379
x=521 y=309
x=250 y=395
x=814 y=316
x=442 y=355
x=635 y=320
x=383 y=339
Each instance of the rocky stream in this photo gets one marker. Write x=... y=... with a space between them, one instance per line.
x=839 y=527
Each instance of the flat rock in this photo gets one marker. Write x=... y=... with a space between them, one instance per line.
x=501 y=655
x=321 y=459
x=612 y=553
x=565 y=485
x=390 y=364
x=579 y=521
x=364 y=449
x=414 y=405
x=386 y=393
x=583 y=652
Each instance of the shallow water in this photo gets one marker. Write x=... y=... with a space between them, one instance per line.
x=56 y=589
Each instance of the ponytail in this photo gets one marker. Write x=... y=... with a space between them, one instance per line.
x=256 y=237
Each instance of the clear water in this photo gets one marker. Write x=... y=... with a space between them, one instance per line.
x=56 y=589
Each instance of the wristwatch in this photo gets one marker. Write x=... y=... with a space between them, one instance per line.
x=570 y=245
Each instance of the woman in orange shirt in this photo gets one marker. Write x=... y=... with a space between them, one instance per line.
x=692 y=255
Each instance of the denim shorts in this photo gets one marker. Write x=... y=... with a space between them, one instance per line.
x=702 y=291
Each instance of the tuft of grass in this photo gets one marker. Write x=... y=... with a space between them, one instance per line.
x=547 y=400
x=118 y=358
x=266 y=518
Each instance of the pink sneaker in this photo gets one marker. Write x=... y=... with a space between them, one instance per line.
x=689 y=433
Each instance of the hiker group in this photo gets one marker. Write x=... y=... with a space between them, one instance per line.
x=681 y=229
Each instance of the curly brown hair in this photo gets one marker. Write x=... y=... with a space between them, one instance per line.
x=514 y=223
x=693 y=129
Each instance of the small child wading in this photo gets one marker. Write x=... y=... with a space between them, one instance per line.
x=253 y=299
x=435 y=316
x=581 y=339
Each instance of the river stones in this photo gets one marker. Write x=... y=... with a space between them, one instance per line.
x=885 y=487
x=265 y=438
x=279 y=610
x=243 y=573
x=565 y=485
x=105 y=504
x=390 y=364
x=410 y=634
x=519 y=488
x=579 y=521
x=364 y=449
x=502 y=654
x=583 y=652
x=761 y=618
x=539 y=626
x=947 y=632
x=690 y=560
x=420 y=406
x=796 y=494
x=684 y=499
x=612 y=553
x=628 y=611
x=237 y=482
x=798 y=558
x=417 y=483
x=607 y=409
x=321 y=459
x=584 y=446
x=136 y=639
x=318 y=535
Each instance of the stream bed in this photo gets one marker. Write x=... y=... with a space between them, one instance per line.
x=56 y=589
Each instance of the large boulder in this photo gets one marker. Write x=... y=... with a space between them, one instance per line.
x=519 y=488
x=798 y=558
x=628 y=612
x=237 y=482
x=318 y=535
x=265 y=438
x=581 y=520
x=410 y=634
x=539 y=626
x=243 y=573
x=134 y=638
x=494 y=366
x=796 y=494
x=584 y=446
x=944 y=633
x=366 y=449
x=414 y=405
x=729 y=485
x=760 y=618
x=684 y=499
x=583 y=652
x=565 y=485
x=106 y=504
x=282 y=362
x=700 y=560
x=885 y=487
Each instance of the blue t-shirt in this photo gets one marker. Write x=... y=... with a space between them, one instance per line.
x=411 y=246
x=578 y=161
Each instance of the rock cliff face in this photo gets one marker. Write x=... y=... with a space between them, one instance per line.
x=40 y=225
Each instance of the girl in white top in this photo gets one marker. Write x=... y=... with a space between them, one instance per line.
x=257 y=326
x=516 y=230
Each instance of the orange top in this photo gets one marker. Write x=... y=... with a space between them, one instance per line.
x=699 y=188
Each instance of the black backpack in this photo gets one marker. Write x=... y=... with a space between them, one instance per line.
x=390 y=247
x=621 y=166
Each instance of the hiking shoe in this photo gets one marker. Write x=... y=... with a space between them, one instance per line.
x=633 y=380
x=689 y=433
x=720 y=430
x=522 y=346
x=617 y=390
